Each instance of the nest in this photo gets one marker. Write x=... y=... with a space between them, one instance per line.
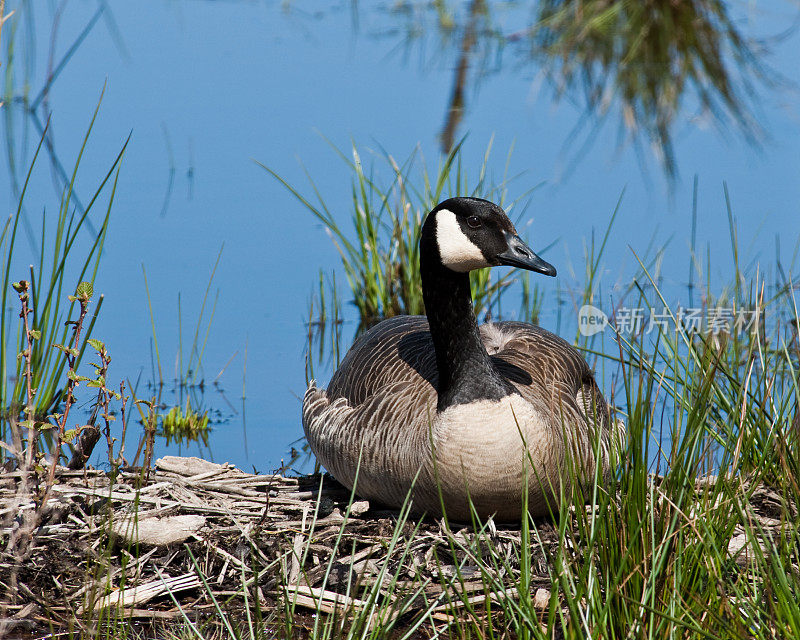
x=177 y=542
x=150 y=547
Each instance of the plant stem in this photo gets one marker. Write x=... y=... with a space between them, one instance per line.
x=30 y=409
x=120 y=459
x=68 y=401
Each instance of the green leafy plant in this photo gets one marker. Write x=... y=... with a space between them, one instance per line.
x=184 y=425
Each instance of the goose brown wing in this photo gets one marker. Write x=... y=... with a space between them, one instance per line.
x=382 y=442
x=543 y=366
x=397 y=350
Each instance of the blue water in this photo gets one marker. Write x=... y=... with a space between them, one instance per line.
x=206 y=87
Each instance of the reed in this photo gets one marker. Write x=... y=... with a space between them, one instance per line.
x=185 y=419
x=379 y=246
x=59 y=269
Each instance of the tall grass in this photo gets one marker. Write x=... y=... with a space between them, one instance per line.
x=654 y=558
x=60 y=267
x=379 y=248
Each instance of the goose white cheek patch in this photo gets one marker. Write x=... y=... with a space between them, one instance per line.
x=456 y=249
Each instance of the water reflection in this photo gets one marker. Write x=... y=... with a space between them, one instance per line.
x=645 y=63
x=36 y=110
x=324 y=341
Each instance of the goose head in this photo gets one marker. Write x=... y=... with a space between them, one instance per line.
x=463 y=234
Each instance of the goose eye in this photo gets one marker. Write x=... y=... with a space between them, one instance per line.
x=474 y=222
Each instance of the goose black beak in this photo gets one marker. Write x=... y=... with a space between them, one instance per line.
x=520 y=255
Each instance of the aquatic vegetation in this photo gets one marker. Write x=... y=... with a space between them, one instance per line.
x=380 y=248
x=187 y=420
x=184 y=424
x=58 y=263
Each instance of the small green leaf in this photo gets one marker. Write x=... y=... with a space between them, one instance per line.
x=97 y=345
x=70 y=351
x=35 y=334
x=95 y=384
x=75 y=377
x=84 y=290
x=69 y=434
x=20 y=286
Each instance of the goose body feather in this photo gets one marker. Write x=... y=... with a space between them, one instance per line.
x=378 y=421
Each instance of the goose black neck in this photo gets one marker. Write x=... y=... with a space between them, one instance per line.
x=466 y=372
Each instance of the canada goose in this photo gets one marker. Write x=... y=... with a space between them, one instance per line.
x=417 y=400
